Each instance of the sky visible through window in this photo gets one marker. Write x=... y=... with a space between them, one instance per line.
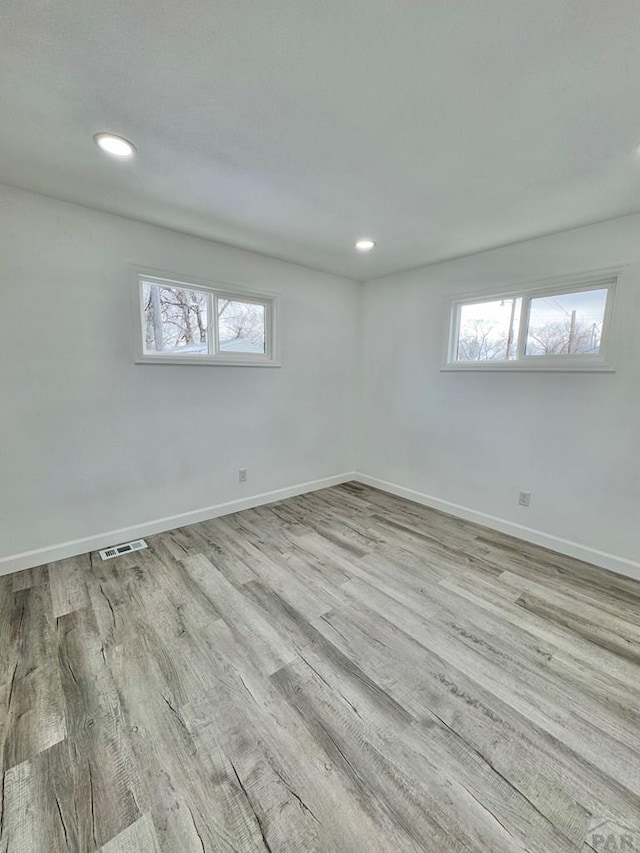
x=566 y=324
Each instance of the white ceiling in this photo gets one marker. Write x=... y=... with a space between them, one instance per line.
x=292 y=127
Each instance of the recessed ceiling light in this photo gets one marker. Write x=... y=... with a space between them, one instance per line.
x=116 y=146
x=365 y=245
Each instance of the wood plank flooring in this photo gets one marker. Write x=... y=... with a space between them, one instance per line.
x=342 y=671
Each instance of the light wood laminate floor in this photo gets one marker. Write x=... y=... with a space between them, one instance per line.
x=342 y=671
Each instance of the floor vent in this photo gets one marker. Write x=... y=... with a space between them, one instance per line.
x=137 y=545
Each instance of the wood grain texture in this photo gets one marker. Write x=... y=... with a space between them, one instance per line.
x=341 y=671
x=141 y=835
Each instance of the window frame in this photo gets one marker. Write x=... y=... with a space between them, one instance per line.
x=216 y=290
x=600 y=362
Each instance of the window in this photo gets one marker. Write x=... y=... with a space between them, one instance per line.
x=566 y=323
x=542 y=328
x=185 y=323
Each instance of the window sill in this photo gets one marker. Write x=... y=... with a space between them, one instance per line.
x=206 y=362
x=600 y=367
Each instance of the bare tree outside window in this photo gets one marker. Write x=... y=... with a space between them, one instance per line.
x=488 y=330
x=200 y=324
x=241 y=325
x=554 y=325
x=567 y=324
x=175 y=319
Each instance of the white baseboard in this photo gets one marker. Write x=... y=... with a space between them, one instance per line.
x=29 y=559
x=612 y=562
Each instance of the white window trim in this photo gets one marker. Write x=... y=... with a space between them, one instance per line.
x=603 y=362
x=217 y=290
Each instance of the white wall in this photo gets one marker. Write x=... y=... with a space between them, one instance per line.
x=91 y=442
x=475 y=439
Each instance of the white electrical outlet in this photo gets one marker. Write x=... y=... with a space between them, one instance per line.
x=242 y=475
x=524 y=498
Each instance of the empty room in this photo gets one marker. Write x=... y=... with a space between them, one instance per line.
x=320 y=426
